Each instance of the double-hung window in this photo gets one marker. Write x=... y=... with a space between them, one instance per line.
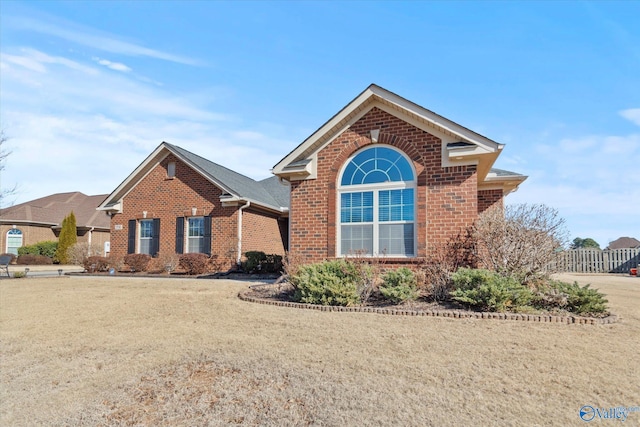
x=146 y=236
x=377 y=204
x=195 y=234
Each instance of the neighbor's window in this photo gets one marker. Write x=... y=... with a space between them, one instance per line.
x=14 y=241
x=171 y=169
x=195 y=235
x=146 y=236
x=377 y=204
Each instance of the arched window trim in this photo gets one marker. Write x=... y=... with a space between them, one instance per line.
x=377 y=225
x=13 y=232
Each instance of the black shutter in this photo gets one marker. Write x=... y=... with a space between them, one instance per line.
x=206 y=247
x=180 y=235
x=155 y=237
x=131 y=238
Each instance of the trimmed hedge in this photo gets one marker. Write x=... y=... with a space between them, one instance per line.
x=194 y=263
x=259 y=262
x=34 y=260
x=46 y=248
x=137 y=262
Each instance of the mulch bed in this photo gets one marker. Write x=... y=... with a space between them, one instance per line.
x=281 y=294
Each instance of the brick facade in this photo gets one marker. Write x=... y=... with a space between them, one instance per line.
x=190 y=194
x=32 y=234
x=446 y=199
x=488 y=199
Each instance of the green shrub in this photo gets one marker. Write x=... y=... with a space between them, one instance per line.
x=571 y=297
x=96 y=263
x=489 y=291
x=137 y=262
x=329 y=283
x=259 y=262
x=194 y=263
x=46 y=248
x=29 y=259
x=399 y=285
x=19 y=274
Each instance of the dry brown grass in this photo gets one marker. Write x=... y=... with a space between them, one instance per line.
x=111 y=351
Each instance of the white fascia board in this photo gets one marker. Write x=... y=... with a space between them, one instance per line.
x=436 y=120
x=333 y=122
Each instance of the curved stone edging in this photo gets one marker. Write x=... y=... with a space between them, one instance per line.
x=440 y=313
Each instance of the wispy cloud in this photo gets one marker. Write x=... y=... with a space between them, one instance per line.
x=632 y=114
x=95 y=39
x=96 y=126
x=117 y=66
x=587 y=178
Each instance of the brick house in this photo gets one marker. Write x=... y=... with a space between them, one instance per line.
x=41 y=220
x=387 y=177
x=178 y=202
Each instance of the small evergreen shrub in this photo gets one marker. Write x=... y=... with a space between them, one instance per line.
x=253 y=261
x=329 y=283
x=46 y=248
x=19 y=274
x=487 y=290
x=194 y=263
x=571 y=297
x=137 y=262
x=399 y=285
x=34 y=260
x=96 y=263
x=259 y=262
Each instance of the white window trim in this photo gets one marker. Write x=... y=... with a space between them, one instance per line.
x=186 y=233
x=375 y=188
x=21 y=234
x=139 y=236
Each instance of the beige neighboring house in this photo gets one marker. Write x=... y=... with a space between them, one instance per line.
x=41 y=219
x=624 y=243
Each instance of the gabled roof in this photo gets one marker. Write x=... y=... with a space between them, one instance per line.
x=461 y=145
x=51 y=210
x=237 y=187
x=624 y=242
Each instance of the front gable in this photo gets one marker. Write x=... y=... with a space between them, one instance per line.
x=454 y=181
x=459 y=145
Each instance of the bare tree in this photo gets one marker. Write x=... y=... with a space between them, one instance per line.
x=521 y=241
x=4 y=192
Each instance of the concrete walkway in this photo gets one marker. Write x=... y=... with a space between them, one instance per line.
x=44 y=270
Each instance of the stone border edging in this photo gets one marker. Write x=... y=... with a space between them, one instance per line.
x=612 y=318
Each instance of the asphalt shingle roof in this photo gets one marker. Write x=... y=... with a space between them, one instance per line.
x=52 y=210
x=269 y=192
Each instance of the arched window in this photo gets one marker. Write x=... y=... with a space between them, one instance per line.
x=377 y=204
x=14 y=240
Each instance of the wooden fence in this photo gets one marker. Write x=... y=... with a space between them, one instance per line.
x=597 y=261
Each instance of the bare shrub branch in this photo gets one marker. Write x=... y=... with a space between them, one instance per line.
x=521 y=242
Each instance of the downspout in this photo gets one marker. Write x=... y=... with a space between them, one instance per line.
x=239 y=257
x=89 y=241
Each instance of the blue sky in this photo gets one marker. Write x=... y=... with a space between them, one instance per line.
x=89 y=89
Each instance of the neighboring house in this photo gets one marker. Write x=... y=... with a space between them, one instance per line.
x=387 y=177
x=178 y=202
x=41 y=219
x=624 y=243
